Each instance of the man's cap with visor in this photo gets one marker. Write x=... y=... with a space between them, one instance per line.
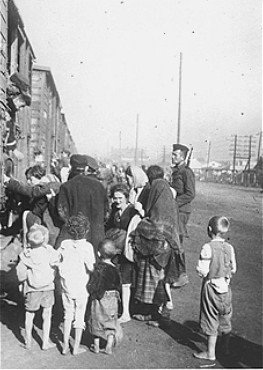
x=181 y=147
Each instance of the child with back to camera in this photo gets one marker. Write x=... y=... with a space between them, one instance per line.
x=36 y=270
x=216 y=265
x=104 y=288
x=76 y=261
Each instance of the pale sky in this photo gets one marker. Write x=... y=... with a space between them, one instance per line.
x=112 y=60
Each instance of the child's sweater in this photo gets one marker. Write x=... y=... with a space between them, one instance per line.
x=105 y=277
x=36 y=268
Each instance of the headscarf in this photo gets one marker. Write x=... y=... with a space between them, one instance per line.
x=139 y=177
x=162 y=219
x=139 y=180
x=162 y=210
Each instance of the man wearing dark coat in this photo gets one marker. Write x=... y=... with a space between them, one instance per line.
x=183 y=181
x=83 y=193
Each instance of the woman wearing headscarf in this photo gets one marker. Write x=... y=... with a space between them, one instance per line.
x=139 y=188
x=156 y=241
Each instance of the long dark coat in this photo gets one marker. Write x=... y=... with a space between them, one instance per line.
x=84 y=193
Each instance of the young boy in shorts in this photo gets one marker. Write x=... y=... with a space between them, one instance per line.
x=216 y=265
x=36 y=270
x=76 y=261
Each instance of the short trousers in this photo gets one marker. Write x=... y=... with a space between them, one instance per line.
x=216 y=311
x=74 y=309
x=35 y=300
x=103 y=320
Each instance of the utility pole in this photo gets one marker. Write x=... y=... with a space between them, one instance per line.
x=136 y=140
x=179 y=101
x=250 y=148
x=208 y=158
x=235 y=153
x=259 y=145
x=163 y=155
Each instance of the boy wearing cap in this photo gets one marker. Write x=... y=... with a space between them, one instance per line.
x=183 y=181
x=36 y=270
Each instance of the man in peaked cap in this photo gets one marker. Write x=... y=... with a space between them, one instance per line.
x=183 y=181
x=83 y=193
x=78 y=163
x=92 y=164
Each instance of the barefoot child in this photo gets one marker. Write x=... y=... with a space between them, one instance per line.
x=76 y=258
x=36 y=270
x=216 y=265
x=104 y=288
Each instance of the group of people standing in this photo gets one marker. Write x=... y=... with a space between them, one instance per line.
x=118 y=249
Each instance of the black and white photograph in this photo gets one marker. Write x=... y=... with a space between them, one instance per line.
x=131 y=170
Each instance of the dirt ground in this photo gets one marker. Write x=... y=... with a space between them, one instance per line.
x=147 y=347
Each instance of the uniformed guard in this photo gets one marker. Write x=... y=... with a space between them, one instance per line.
x=183 y=181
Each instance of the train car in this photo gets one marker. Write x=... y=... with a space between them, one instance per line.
x=16 y=59
x=50 y=135
x=33 y=128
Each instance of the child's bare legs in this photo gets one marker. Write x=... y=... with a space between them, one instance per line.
x=95 y=347
x=66 y=335
x=69 y=316
x=225 y=343
x=169 y=304
x=46 y=316
x=78 y=335
x=29 y=327
x=211 y=348
x=110 y=342
x=126 y=293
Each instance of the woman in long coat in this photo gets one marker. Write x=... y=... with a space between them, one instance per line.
x=156 y=242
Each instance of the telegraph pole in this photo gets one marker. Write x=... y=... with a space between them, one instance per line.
x=259 y=145
x=179 y=101
x=136 y=140
x=235 y=153
x=208 y=158
x=250 y=149
x=164 y=155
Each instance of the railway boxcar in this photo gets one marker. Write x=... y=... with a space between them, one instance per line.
x=33 y=127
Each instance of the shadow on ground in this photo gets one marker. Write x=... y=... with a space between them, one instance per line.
x=12 y=315
x=243 y=353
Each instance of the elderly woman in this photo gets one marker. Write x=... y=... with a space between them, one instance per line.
x=156 y=240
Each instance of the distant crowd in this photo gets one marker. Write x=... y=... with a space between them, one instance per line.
x=107 y=244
